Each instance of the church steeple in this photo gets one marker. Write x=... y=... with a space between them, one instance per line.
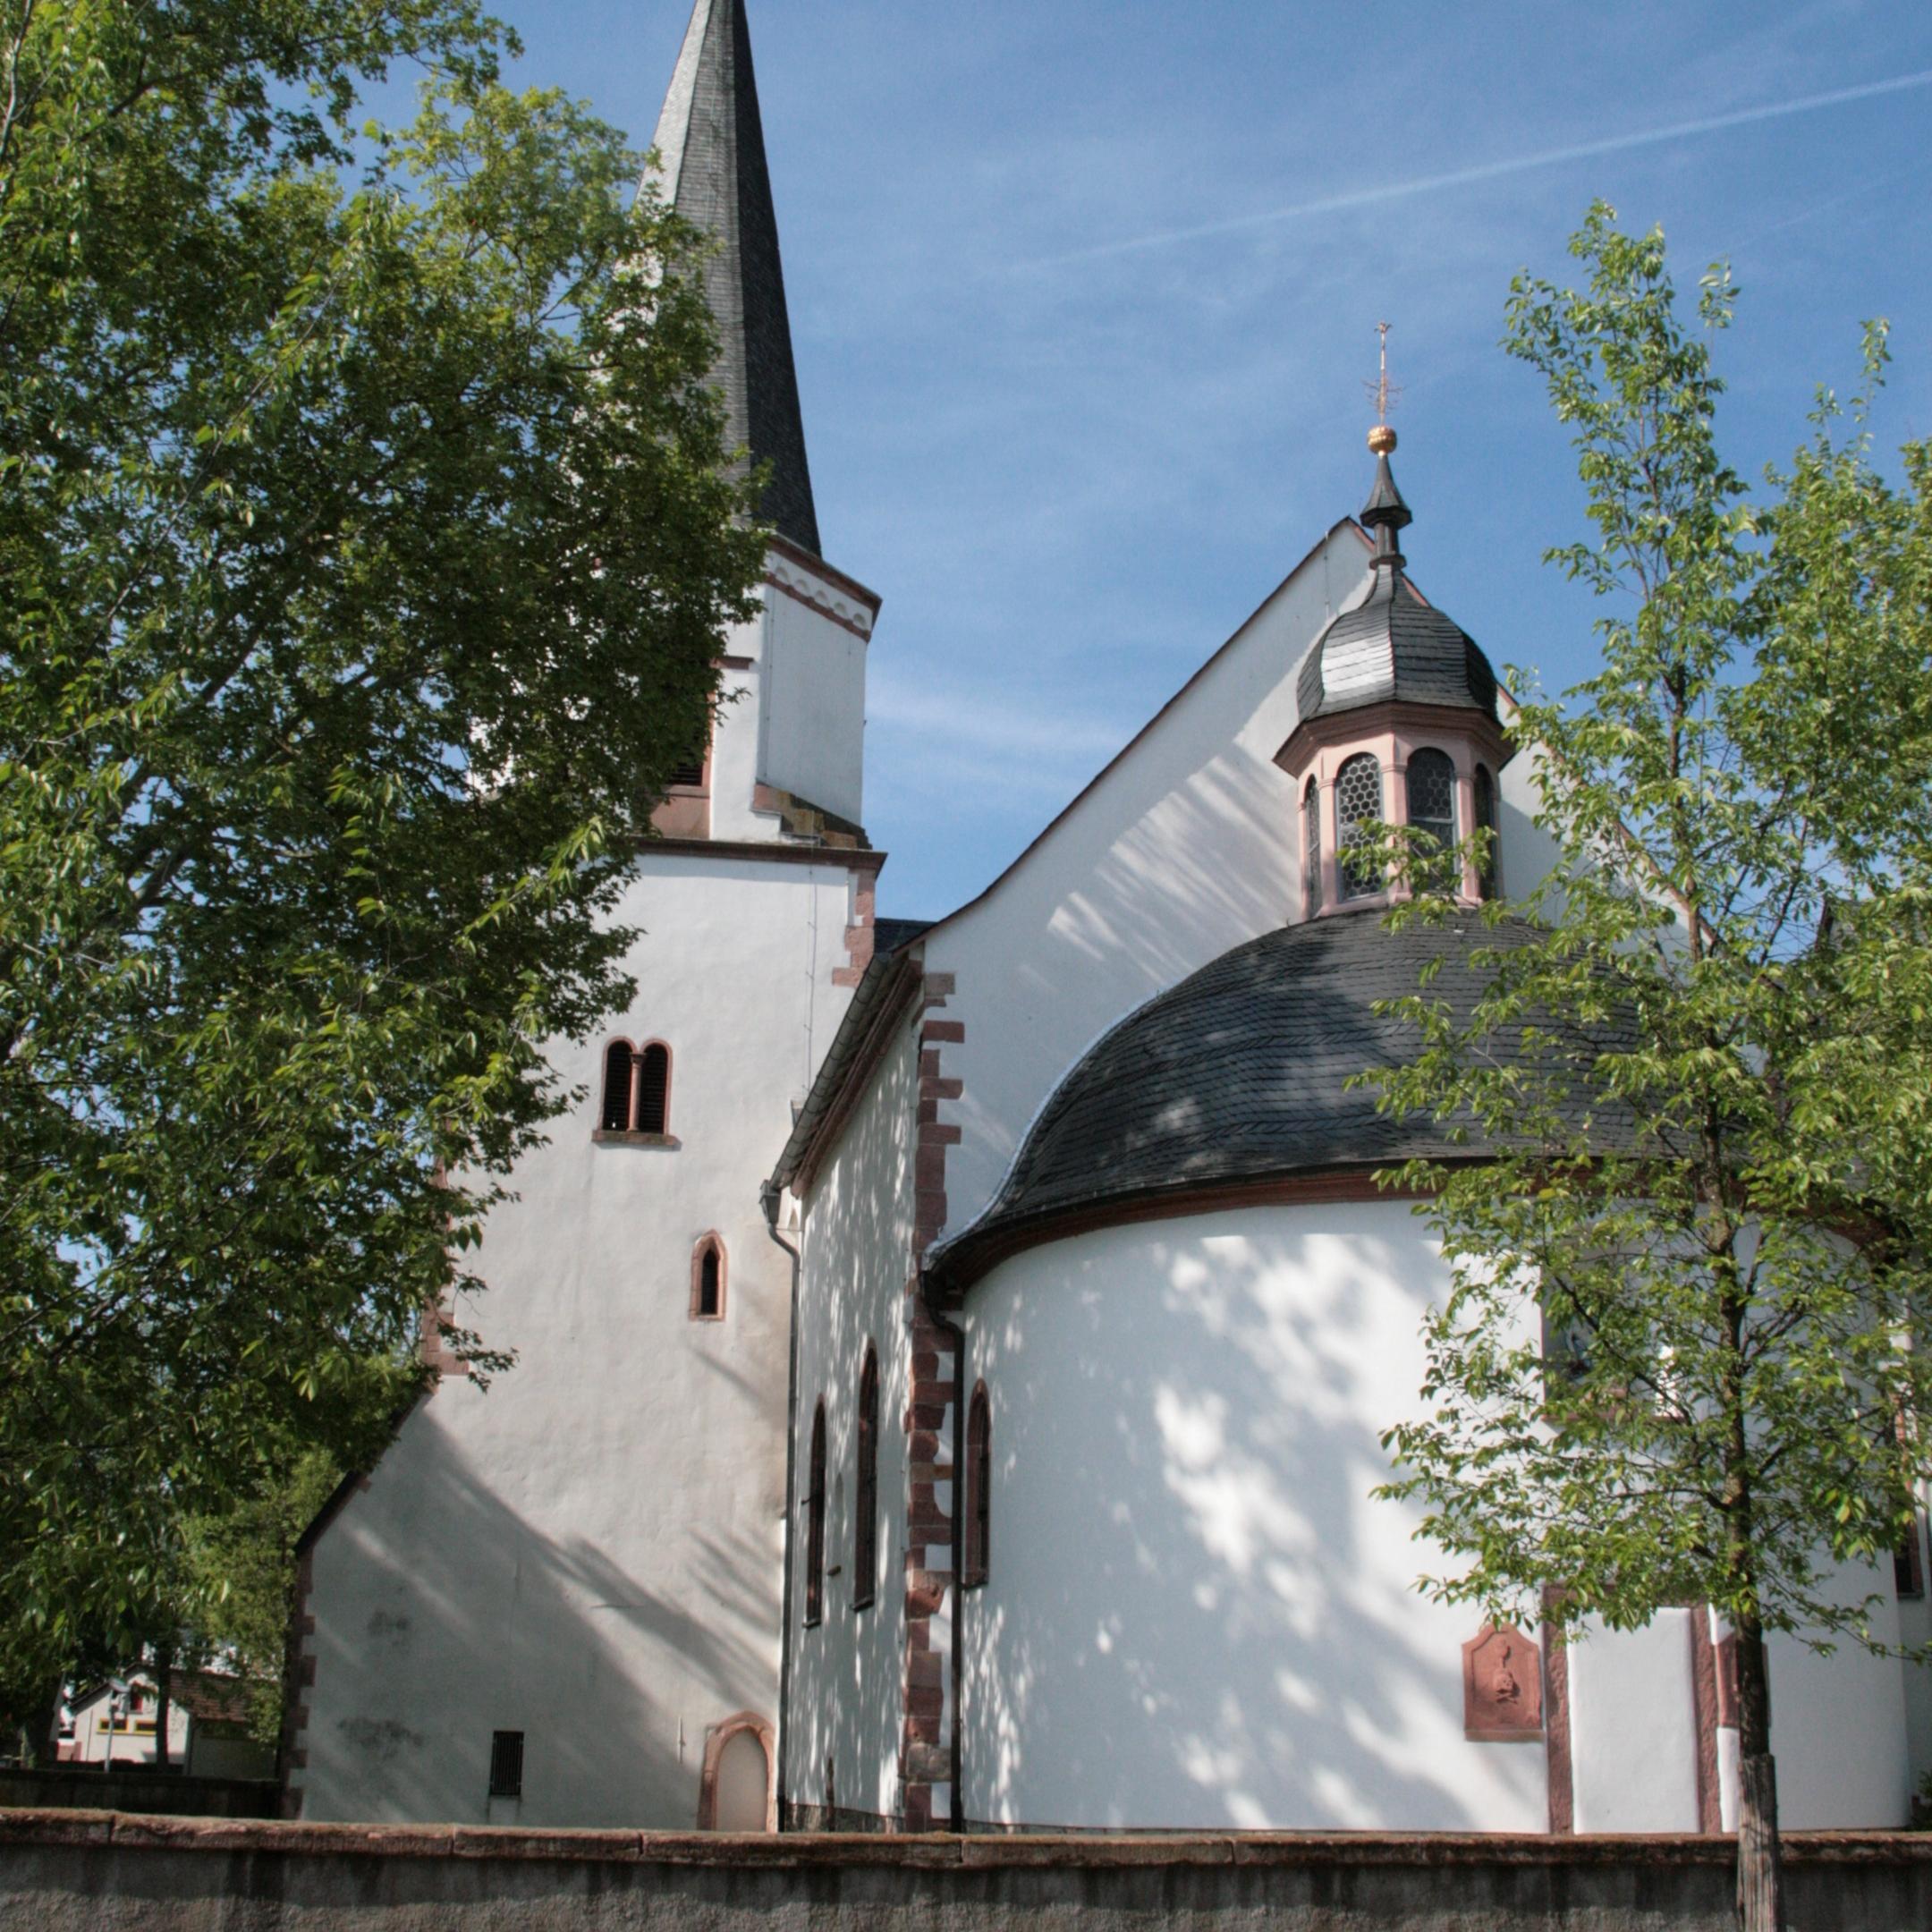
x=711 y=150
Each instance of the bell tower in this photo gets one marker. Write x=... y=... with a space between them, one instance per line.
x=786 y=754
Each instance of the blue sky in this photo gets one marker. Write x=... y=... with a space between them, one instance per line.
x=1083 y=297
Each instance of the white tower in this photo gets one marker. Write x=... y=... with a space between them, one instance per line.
x=558 y=1601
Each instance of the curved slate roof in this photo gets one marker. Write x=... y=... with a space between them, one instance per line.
x=1394 y=646
x=1239 y=1074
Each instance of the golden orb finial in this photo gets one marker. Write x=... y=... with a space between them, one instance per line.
x=1381 y=439
x=1382 y=393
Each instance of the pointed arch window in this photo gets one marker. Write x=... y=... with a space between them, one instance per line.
x=1311 y=848
x=1358 y=794
x=1429 y=783
x=1485 y=821
x=815 y=1502
x=978 y=1489
x=708 y=1279
x=865 y=1517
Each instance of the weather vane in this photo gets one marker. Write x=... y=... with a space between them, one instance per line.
x=1384 y=395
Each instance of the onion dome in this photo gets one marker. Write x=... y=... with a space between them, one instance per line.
x=1393 y=647
x=1235 y=1079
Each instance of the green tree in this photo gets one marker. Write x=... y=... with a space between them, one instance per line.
x=368 y=537
x=1687 y=1334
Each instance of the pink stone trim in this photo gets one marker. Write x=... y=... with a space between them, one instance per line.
x=716 y=1737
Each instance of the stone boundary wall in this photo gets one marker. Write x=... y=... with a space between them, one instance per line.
x=75 y=1869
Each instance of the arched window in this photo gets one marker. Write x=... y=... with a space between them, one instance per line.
x=654 y=1089
x=1431 y=796
x=865 y=1516
x=734 y=1786
x=708 y=1280
x=1357 y=797
x=978 y=1489
x=1485 y=821
x=815 y=1499
x=615 y=1116
x=1310 y=850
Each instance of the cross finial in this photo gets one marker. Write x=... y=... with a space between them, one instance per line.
x=1382 y=394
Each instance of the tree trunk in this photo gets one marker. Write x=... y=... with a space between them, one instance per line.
x=1760 y=1879
x=163 y=1696
x=43 y=1725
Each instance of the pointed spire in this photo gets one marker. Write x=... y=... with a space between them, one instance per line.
x=711 y=150
x=1384 y=513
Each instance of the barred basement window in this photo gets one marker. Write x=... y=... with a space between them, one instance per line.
x=978 y=1489
x=1310 y=850
x=865 y=1520
x=1431 y=794
x=615 y=1115
x=815 y=1500
x=506 y=1764
x=1485 y=821
x=654 y=1089
x=1358 y=795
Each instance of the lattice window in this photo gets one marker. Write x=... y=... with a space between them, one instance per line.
x=865 y=1522
x=1431 y=792
x=1310 y=850
x=815 y=1502
x=1358 y=794
x=1485 y=821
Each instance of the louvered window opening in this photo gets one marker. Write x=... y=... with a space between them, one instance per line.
x=653 y=1089
x=506 y=1764
x=815 y=1502
x=865 y=1522
x=1486 y=820
x=689 y=772
x=1431 y=796
x=1357 y=804
x=618 y=1060
x=1311 y=848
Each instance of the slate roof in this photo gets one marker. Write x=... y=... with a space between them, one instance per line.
x=1239 y=1074
x=711 y=148
x=1393 y=647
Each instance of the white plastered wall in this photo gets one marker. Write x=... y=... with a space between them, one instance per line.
x=589 y=1552
x=1196 y=1614
x=847 y=1672
x=814 y=717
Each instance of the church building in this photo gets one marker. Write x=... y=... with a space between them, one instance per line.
x=951 y=1358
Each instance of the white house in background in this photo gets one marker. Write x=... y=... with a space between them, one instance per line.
x=1039 y=1494
x=207 y=1733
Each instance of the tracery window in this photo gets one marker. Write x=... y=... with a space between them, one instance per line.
x=1310 y=850
x=1431 y=796
x=815 y=1502
x=865 y=1520
x=978 y=1489
x=1485 y=821
x=1358 y=794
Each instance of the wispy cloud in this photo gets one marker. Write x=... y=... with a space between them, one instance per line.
x=1487 y=171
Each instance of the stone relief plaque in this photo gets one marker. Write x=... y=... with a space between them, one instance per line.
x=1502 y=1686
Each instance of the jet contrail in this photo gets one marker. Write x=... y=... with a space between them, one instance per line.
x=1493 y=170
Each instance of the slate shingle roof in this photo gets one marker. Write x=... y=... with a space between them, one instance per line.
x=711 y=145
x=1394 y=647
x=1238 y=1074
